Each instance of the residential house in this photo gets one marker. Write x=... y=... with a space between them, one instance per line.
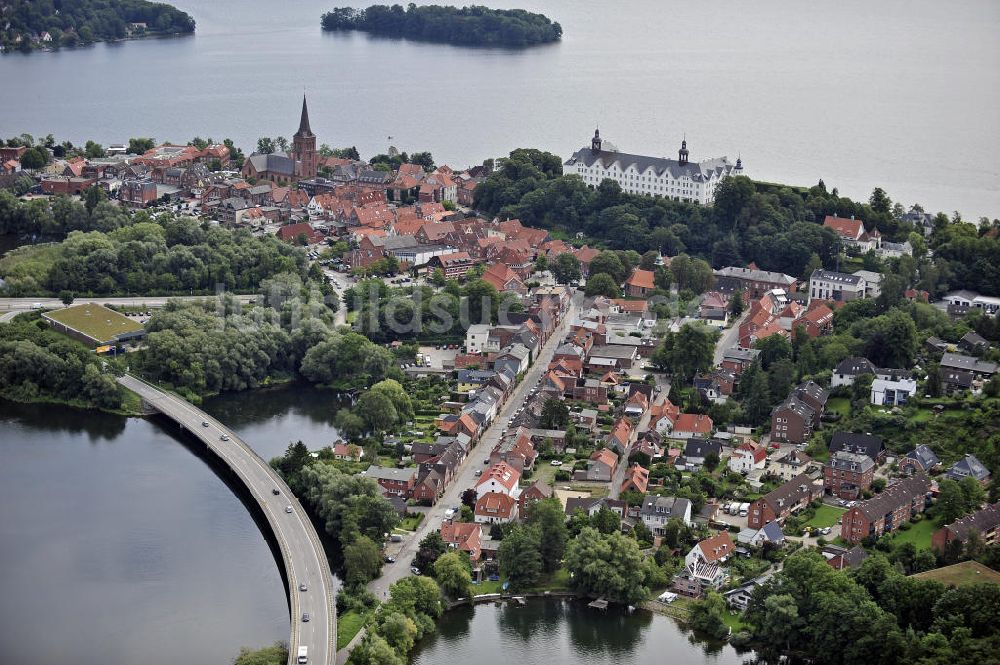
x=636 y=479
x=621 y=435
x=779 y=503
x=656 y=511
x=612 y=357
x=394 y=482
x=476 y=336
x=636 y=404
x=348 y=451
x=861 y=444
x=849 y=369
x=792 y=421
x=885 y=512
x=840 y=558
x=515 y=357
x=537 y=491
x=920 y=459
x=590 y=506
x=716 y=549
x=663 y=416
x=960 y=372
x=601 y=466
x=755 y=283
x=691 y=425
x=770 y=533
x=465 y=537
x=984 y=523
x=973 y=342
x=697 y=450
x=853 y=235
x=738 y=598
x=889 y=392
x=847 y=475
x=790 y=465
x=969 y=467
x=836 y=286
x=749 y=455
x=495 y=508
x=737 y=360
x=501 y=478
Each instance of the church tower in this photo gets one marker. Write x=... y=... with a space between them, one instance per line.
x=304 y=146
x=682 y=154
x=595 y=143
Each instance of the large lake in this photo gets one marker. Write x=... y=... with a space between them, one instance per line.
x=121 y=543
x=563 y=632
x=902 y=94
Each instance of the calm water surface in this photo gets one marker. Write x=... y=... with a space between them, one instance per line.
x=899 y=93
x=120 y=545
x=272 y=418
x=557 y=632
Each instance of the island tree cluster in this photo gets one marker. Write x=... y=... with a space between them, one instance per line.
x=467 y=26
x=54 y=23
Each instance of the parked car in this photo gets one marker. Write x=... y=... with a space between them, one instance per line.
x=414 y=570
x=288 y=509
x=303 y=587
x=390 y=559
x=556 y=462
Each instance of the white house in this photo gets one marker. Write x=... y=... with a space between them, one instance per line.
x=476 y=336
x=678 y=179
x=656 y=511
x=836 y=286
x=502 y=478
x=748 y=456
x=890 y=392
x=716 y=549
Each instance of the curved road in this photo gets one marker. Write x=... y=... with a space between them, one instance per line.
x=301 y=551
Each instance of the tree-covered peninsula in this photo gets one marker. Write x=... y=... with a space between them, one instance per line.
x=34 y=24
x=466 y=26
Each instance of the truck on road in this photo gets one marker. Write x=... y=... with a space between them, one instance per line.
x=303 y=655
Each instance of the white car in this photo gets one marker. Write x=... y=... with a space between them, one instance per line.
x=556 y=462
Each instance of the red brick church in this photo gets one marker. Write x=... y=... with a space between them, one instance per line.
x=299 y=164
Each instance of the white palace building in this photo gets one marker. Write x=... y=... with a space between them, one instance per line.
x=677 y=179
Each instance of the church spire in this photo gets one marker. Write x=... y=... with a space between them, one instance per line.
x=304 y=129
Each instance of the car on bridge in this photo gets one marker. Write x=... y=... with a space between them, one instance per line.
x=288 y=509
x=224 y=437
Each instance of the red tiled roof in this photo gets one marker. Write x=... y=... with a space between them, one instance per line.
x=495 y=504
x=845 y=228
x=642 y=279
x=606 y=456
x=693 y=422
x=717 y=547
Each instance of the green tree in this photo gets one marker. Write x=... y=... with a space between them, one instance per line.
x=276 y=654
x=606 y=521
x=566 y=268
x=362 y=561
x=602 y=284
x=736 y=304
x=451 y=571
x=607 y=566
x=708 y=616
x=555 y=414
x=93 y=150
x=139 y=146
x=430 y=549
x=66 y=296
x=373 y=649
x=265 y=145
x=93 y=196
x=548 y=517
x=520 y=557
x=350 y=424
x=608 y=263
x=33 y=159
x=951 y=502
x=398 y=630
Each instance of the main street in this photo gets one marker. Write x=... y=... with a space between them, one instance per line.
x=153 y=302
x=729 y=338
x=466 y=476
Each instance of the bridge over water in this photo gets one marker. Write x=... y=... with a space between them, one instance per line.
x=301 y=551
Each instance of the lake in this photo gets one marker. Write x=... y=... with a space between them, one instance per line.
x=119 y=544
x=563 y=632
x=900 y=94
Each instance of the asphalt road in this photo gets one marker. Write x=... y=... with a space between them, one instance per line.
x=152 y=302
x=303 y=555
x=466 y=476
x=728 y=339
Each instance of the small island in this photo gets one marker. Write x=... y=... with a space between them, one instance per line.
x=468 y=26
x=32 y=25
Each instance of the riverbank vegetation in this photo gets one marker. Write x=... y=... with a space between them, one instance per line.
x=38 y=364
x=874 y=614
x=466 y=26
x=778 y=227
x=51 y=24
x=276 y=654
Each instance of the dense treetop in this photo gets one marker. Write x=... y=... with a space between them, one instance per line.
x=468 y=26
x=72 y=22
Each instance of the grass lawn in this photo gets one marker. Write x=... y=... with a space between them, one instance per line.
x=544 y=472
x=95 y=321
x=826 y=516
x=921 y=416
x=348 y=625
x=557 y=581
x=961 y=574
x=919 y=534
x=487 y=586
x=734 y=621
x=411 y=522
x=841 y=405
